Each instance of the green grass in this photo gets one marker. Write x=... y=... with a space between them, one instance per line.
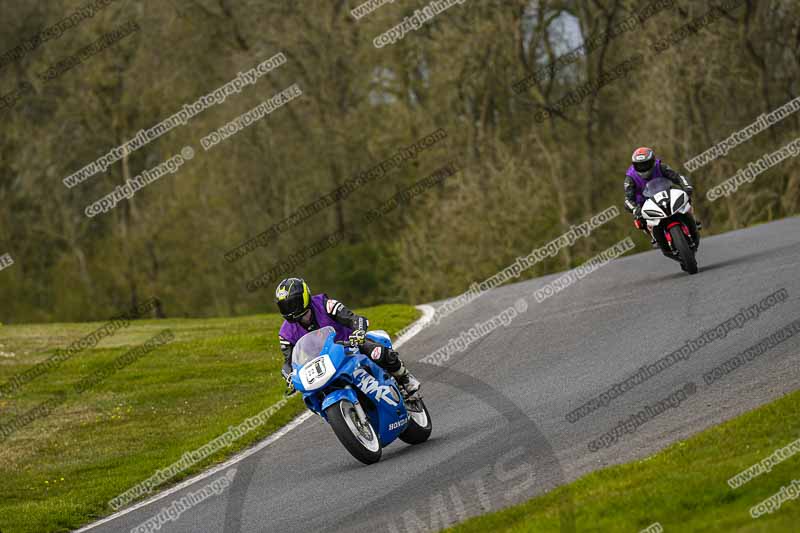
x=684 y=487
x=60 y=471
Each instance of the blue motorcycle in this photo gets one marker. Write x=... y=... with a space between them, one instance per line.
x=361 y=401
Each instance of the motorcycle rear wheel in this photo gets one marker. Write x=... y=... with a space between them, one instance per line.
x=419 y=423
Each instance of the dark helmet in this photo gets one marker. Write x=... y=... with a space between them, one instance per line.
x=644 y=159
x=293 y=298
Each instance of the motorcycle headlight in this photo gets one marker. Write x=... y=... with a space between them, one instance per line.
x=679 y=202
x=653 y=213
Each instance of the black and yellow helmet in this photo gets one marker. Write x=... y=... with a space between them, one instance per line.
x=293 y=298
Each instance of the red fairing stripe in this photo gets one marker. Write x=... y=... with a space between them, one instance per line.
x=672 y=225
x=666 y=233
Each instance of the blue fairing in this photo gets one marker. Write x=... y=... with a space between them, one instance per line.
x=357 y=379
x=384 y=405
x=339 y=395
x=381 y=337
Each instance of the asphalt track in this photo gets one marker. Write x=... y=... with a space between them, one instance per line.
x=500 y=434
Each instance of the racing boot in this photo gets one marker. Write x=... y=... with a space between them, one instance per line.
x=406 y=380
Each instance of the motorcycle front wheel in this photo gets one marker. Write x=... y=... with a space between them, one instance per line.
x=685 y=252
x=359 y=439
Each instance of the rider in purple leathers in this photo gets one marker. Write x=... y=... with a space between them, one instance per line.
x=645 y=167
x=304 y=312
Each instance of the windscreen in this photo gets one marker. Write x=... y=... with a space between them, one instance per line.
x=656 y=186
x=310 y=345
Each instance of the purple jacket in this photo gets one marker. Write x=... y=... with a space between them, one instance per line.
x=640 y=183
x=292 y=332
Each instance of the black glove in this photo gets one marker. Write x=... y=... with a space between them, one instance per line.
x=689 y=190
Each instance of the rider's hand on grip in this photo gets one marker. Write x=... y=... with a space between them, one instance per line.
x=358 y=337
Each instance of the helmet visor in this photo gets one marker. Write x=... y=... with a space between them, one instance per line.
x=292 y=307
x=644 y=166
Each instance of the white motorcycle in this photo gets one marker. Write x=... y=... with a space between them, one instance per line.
x=667 y=211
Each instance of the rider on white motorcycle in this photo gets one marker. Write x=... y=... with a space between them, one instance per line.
x=644 y=168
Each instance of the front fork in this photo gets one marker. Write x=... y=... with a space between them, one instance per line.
x=689 y=228
x=661 y=234
x=362 y=416
x=693 y=230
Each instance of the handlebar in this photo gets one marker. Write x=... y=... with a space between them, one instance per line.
x=348 y=344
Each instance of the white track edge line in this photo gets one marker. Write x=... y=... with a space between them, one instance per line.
x=416 y=327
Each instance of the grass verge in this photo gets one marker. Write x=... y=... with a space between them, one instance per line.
x=684 y=487
x=61 y=470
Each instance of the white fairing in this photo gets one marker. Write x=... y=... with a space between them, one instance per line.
x=654 y=213
x=676 y=195
x=650 y=208
x=316 y=373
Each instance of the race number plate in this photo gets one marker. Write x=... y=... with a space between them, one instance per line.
x=315 y=370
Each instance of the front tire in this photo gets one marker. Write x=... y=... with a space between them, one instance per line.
x=419 y=423
x=685 y=252
x=362 y=442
